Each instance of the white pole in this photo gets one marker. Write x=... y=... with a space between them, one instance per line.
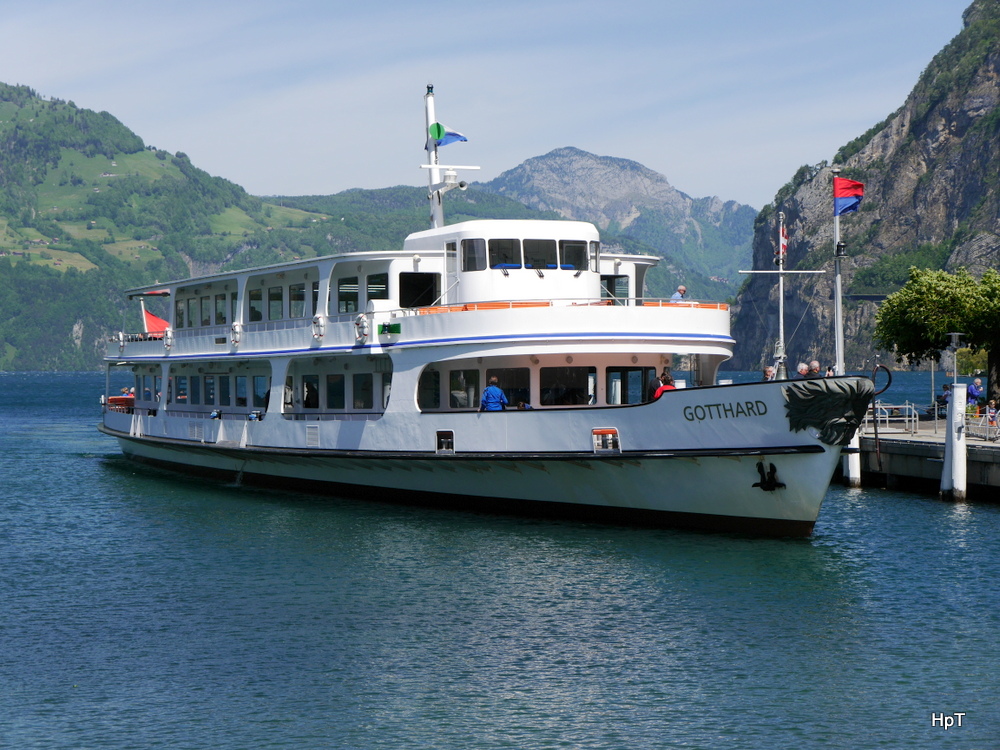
x=782 y=373
x=953 y=475
x=437 y=207
x=839 y=366
x=851 y=464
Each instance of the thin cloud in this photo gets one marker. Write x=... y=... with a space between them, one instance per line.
x=723 y=97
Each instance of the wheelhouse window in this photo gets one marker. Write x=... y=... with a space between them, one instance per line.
x=474 y=255
x=567 y=386
x=573 y=255
x=206 y=311
x=179 y=314
x=505 y=253
x=377 y=286
x=540 y=254
x=224 y=391
x=347 y=295
x=595 y=256
x=419 y=289
x=514 y=382
x=192 y=312
x=627 y=385
x=463 y=388
x=275 y=303
x=255 y=300
x=209 y=390
x=297 y=301
x=195 y=389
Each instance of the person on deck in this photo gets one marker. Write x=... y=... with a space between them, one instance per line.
x=668 y=385
x=680 y=295
x=493 y=398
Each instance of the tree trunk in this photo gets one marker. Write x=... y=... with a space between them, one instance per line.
x=993 y=373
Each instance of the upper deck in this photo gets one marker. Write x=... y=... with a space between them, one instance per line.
x=550 y=277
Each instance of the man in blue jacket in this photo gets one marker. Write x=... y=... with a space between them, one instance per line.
x=493 y=397
x=975 y=392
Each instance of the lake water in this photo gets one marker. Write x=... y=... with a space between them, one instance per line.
x=141 y=609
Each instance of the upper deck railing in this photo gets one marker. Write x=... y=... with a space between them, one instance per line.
x=313 y=332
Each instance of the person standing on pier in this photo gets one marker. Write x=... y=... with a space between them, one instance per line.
x=975 y=393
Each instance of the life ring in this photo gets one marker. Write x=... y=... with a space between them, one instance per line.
x=319 y=327
x=168 y=338
x=121 y=341
x=361 y=328
x=236 y=333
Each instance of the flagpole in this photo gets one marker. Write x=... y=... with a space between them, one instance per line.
x=782 y=369
x=437 y=205
x=838 y=253
x=850 y=462
x=780 y=255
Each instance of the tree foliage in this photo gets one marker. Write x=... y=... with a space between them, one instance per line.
x=914 y=323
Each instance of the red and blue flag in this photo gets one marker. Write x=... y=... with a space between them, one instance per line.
x=847 y=195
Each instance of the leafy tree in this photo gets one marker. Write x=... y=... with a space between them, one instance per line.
x=914 y=323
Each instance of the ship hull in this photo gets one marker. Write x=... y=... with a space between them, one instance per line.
x=700 y=489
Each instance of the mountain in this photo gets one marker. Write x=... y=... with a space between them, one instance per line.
x=88 y=210
x=932 y=197
x=704 y=241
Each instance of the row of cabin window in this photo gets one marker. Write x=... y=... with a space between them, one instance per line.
x=254 y=391
x=557 y=386
x=568 y=255
x=416 y=289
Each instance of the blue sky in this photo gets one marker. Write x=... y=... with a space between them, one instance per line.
x=723 y=97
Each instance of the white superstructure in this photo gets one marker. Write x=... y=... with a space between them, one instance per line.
x=363 y=372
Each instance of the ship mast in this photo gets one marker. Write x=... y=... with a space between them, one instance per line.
x=437 y=186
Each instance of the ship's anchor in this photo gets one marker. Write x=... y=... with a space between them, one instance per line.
x=769 y=481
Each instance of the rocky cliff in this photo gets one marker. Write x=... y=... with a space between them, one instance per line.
x=932 y=199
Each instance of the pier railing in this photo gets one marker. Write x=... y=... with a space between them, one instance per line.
x=892 y=417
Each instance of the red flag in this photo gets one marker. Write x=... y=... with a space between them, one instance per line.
x=153 y=323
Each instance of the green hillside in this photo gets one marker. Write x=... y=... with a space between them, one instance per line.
x=87 y=211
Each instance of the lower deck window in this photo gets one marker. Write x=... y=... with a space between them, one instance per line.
x=515 y=382
x=335 y=392
x=429 y=390
x=463 y=387
x=628 y=385
x=363 y=393
x=310 y=391
x=568 y=386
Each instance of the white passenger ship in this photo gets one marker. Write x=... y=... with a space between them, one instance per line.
x=362 y=373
